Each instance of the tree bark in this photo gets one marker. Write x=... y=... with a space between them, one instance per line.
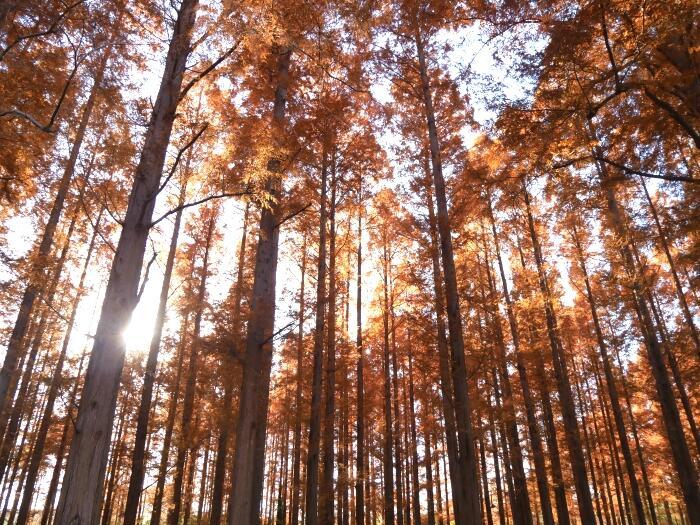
x=313 y=454
x=467 y=457
x=85 y=469
x=138 y=458
x=227 y=405
x=190 y=386
x=360 y=462
x=248 y=459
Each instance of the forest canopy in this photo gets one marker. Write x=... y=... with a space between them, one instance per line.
x=316 y=262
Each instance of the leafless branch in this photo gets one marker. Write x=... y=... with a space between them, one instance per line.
x=209 y=69
x=197 y=203
x=145 y=276
x=292 y=215
x=181 y=152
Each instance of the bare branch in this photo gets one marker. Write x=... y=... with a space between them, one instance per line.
x=145 y=276
x=209 y=69
x=197 y=203
x=292 y=215
x=180 y=152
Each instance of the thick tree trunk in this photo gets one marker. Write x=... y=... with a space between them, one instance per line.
x=87 y=459
x=467 y=456
x=313 y=454
x=248 y=458
x=190 y=386
x=138 y=458
x=227 y=405
x=561 y=375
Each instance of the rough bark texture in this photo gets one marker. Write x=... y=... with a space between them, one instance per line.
x=248 y=459
x=85 y=469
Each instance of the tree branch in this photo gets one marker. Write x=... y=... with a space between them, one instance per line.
x=180 y=152
x=209 y=69
x=292 y=215
x=196 y=203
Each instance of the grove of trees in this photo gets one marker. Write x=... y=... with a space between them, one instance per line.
x=317 y=262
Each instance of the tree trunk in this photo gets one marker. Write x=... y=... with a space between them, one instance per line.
x=138 y=458
x=191 y=384
x=248 y=459
x=38 y=451
x=296 y=464
x=360 y=462
x=468 y=464
x=530 y=412
x=612 y=387
x=170 y=424
x=446 y=390
x=326 y=500
x=85 y=470
x=227 y=405
x=313 y=455
x=40 y=263
x=687 y=475
x=571 y=430
x=386 y=371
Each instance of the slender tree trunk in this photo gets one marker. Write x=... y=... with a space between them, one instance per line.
x=313 y=457
x=685 y=467
x=42 y=433
x=87 y=459
x=191 y=384
x=398 y=474
x=138 y=458
x=496 y=463
x=170 y=424
x=326 y=486
x=429 y=484
x=533 y=425
x=468 y=463
x=248 y=458
x=115 y=465
x=388 y=462
x=446 y=389
x=485 y=484
x=415 y=481
x=41 y=263
x=296 y=461
x=679 y=288
x=67 y=424
x=571 y=430
x=360 y=462
x=522 y=512
x=612 y=387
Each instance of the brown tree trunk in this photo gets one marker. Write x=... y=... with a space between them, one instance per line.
x=360 y=462
x=313 y=454
x=138 y=458
x=612 y=387
x=687 y=475
x=248 y=461
x=326 y=500
x=296 y=460
x=170 y=424
x=429 y=485
x=191 y=384
x=679 y=288
x=415 y=482
x=41 y=261
x=38 y=450
x=468 y=463
x=85 y=469
x=561 y=375
x=446 y=390
x=530 y=412
x=388 y=463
